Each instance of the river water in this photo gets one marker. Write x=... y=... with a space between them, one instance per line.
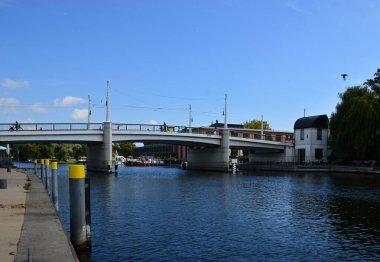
x=167 y=214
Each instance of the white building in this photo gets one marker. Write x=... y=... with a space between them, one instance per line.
x=310 y=138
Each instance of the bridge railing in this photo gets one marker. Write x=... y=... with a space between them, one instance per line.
x=49 y=126
x=150 y=128
x=143 y=127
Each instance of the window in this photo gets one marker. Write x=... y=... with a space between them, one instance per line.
x=319 y=134
x=245 y=135
x=302 y=134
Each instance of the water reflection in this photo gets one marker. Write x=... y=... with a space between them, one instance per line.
x=166 y=214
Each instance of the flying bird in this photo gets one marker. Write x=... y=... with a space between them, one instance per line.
x=344 y=76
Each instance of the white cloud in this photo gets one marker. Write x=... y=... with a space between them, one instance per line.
x=152 y=122
x=38 y=108
x=8 y=105
x=10 y=83
x=69 y=101
x=79 y=114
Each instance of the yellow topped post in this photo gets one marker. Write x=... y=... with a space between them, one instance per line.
x=76 y=172
x=77 y=206
x=35 y=166
x=46 y=178
x=42 y=169
x=54 y=188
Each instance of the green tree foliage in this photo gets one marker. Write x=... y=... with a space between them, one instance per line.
x=124 y=149
x=61 y=152
x=79 y=151
x=355 y=125
x=256 y=124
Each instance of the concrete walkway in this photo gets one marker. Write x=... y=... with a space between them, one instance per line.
x=42 y=231
x=12 y=208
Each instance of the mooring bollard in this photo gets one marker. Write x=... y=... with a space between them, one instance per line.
x=77 y=206
x=35 y=166
x=54 y=187
x=42 y=170
x=47 y=163
x=88 y=211
x=109 y=167
x=116 y=166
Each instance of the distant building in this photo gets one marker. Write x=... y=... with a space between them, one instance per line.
x=310 y=138
x=161 y=151
x=221 y=125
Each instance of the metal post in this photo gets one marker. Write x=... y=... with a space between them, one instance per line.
x=47 y=163
x=116 y=166
x=88 y=211
x=35 y=167
x=42 y=170
x=89 y=113
x=77 y=206
x=190 y=118
x=54 y=167
x=108 y=102
x=262 y=128
x=225 y=111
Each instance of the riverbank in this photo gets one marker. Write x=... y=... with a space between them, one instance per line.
x=38 y=226
x=12 y=210
x=301 y=168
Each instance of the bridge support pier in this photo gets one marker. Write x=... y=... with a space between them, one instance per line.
x=210 y=158
x=100 y=155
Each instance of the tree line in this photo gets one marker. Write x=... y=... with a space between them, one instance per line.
x=355 y=124
x=61 y=152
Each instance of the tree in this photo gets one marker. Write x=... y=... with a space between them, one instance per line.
x=355 y=124
x=256 y=124
x=124 y=149
x=78 y=151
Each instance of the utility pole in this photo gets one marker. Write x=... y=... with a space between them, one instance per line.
x=89 y=113
x=262 y=128
x=225 y=111
x=108 y=102
x=190 y=118
x=304 y=112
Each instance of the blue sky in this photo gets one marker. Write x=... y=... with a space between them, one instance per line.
x=272 y=58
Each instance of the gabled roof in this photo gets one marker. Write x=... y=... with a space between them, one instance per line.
x=321 y=121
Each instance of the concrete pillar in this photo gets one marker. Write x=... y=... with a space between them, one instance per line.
x=210 y=158
x=107 y=143
x=100 y=155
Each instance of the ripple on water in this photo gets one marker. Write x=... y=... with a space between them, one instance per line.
x=161 y=214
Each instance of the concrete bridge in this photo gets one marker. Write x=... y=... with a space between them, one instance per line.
x=207 y=149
